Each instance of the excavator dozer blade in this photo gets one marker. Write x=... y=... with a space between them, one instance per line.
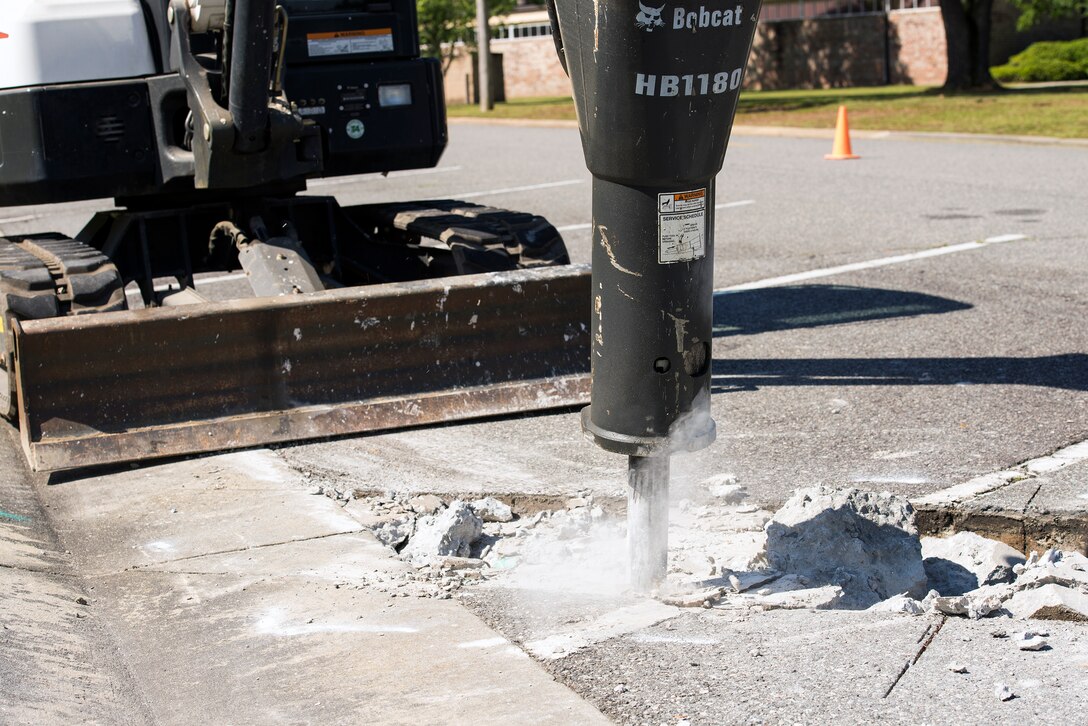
x=128 y=386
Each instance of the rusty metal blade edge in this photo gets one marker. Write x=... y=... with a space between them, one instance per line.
x=361 y=295
x=306 y=423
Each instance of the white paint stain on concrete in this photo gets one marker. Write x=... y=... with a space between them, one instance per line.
x=275 y=623
x=485 y=643
x=610 y=625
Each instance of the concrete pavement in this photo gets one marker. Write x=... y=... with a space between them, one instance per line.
x=231 y=595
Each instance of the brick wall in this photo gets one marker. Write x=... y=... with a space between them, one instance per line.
x=918 y=48
x=812 y=53
x=824 y=53
x=532 y=67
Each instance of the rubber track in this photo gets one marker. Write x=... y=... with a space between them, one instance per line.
x=45 y=276
x=85 y=279
x=482 y=239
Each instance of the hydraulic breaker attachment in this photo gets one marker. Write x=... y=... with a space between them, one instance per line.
x=134 y=385
x=655 y=103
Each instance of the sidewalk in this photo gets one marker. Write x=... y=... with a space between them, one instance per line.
x=233 y=596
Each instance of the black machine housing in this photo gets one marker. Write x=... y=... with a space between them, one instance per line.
x=352 y=71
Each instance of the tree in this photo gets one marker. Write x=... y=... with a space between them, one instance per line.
x=443 y=23
x=1033 y=12
x=967 y=34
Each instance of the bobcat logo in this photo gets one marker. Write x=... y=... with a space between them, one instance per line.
x=649 y=18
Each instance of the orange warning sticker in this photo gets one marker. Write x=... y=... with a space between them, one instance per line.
x=349 y=42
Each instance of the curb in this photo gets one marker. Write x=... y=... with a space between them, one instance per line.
x=800 y=132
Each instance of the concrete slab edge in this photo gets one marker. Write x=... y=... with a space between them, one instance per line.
x=987 y=483
x=944 y=512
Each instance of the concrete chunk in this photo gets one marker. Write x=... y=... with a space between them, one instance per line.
x=813 y=598
x=490 y=509
x=1050 y=602
x=976 y=604
x=965 y=561
x=450 y=532
x=864 y=542
x=1030 y=641
x=425 y=504
x=899 y=604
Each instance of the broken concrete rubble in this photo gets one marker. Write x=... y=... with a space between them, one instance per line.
x=725 y=489
x=965 y=561
x=425 y=504
x=490 y=509
x=811 y=598
x=1030 y=640
x=392 y=526
x=721 y=557
x=976 y=604
x=1053 y=585
x=899 y=604
x=393 y=530
x=705 y=597
x=864 y=542
x=1049 y=602
x=451 y=532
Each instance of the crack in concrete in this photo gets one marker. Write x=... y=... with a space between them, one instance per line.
x=926 y=639
x=37 y=571
x=1023 y=521
x=236 y=550
x=197 y=573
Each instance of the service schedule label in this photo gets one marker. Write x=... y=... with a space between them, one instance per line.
x=681 y=226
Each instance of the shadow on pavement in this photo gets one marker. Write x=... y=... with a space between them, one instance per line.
x=1068 y=371
x=750 y=312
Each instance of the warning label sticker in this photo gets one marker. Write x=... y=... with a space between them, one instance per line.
x=681 y=226
x=349 y=42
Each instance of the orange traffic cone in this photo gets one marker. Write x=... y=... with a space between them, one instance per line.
x=841 y=149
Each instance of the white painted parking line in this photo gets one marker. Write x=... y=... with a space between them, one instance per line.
x=870 y=264
x=25 y=218
x=730 y=205
x=392 y=175
x=573 y=227
x=511 y=190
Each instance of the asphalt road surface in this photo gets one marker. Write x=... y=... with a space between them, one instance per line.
x=933 y=330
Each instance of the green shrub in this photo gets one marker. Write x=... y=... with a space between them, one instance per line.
x=1046 y=61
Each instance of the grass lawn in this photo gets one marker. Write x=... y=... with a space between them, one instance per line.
x=1061 y=112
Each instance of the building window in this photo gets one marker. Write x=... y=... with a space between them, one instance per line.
x=517 y=32
x=802 y=9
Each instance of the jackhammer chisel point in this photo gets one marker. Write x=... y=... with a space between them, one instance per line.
x=647 y=520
